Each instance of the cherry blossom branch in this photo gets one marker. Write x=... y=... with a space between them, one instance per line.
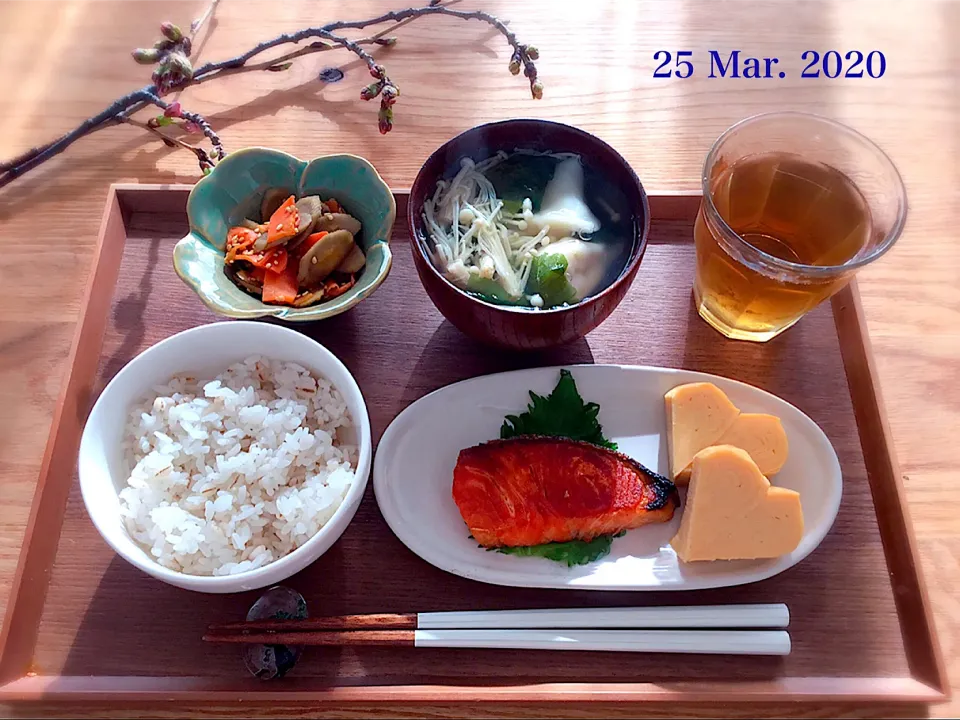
x=202 y=156
x=174 y=72
x=381 y=38
x=27 y=161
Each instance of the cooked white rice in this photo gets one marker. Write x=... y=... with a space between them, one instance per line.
x=230 y=474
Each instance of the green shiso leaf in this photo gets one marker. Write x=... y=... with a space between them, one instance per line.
x=572 y=553
x=562 y=413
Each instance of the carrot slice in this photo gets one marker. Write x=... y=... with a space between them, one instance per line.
x=333 y=205
x=241 y=236
x=284 y=223
x=275 y=259
x=238 y=240
x=332 y=289
x=280 y=287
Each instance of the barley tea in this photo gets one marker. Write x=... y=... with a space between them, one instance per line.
x=787 y=207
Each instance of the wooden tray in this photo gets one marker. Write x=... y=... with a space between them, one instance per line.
x=83 y=625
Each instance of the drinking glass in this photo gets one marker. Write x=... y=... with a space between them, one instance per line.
x=793 y=205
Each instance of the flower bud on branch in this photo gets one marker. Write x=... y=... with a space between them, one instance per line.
x=385 y=119
x=514 y=66
x=369 y=92
x=171 y=32
x=172 y=72
x=527 y=54
x=390 y=94
x=146 y=56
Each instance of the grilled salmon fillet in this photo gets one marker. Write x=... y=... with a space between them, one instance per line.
x=531 y=490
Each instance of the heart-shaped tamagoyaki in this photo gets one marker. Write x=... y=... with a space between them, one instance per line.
x=733 y=513
x=700 y=415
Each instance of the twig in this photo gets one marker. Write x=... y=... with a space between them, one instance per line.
x=279 y=60
x=174 y=72
x=206 y=73
x=30 y=159
x=198 y=23
x=128 y=104
x=202 y=155
x=325 y=30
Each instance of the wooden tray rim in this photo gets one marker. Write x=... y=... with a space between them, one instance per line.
x=18 y=684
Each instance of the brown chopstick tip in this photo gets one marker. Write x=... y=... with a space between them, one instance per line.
x=340 y=638
x=382 y=621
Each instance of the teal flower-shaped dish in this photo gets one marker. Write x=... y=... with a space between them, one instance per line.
x=233 y=192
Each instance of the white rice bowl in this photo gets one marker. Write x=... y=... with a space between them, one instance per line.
x=225 y=475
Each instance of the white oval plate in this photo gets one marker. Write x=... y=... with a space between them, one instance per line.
x=413 y=476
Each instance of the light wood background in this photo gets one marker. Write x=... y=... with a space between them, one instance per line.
x=63 y=61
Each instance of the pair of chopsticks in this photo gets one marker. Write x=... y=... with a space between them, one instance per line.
x=708 y=629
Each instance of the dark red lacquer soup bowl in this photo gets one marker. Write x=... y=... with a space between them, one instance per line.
x=522 y=327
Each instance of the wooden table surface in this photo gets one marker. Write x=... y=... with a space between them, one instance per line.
x=65 y=61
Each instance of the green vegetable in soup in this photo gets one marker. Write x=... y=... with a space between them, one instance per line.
x=521 y=176
x=489 y=290
x=548 y=279
x=513 y=206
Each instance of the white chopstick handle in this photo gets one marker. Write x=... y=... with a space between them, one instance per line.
x=772 y=615
x=711 y=642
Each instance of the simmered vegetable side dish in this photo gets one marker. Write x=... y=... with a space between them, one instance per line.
x=303 y=251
